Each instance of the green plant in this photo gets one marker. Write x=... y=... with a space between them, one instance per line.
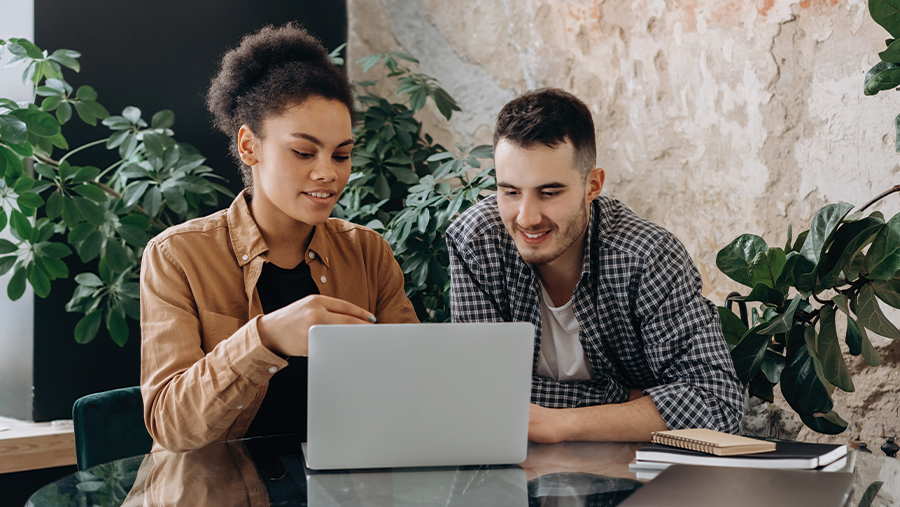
x=885 y=75
x=845 y=263
x=106 y=214
x=406 y=186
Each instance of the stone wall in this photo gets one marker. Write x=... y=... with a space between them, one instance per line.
x=714 y=117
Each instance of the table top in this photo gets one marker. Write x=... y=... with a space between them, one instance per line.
x=270 y=471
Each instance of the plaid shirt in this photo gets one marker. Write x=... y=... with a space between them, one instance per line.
x=644 y=323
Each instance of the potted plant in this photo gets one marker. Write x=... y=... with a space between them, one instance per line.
x=844 y=263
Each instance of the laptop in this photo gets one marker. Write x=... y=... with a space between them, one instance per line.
x=418 y=395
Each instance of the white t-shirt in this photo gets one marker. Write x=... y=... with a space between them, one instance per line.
x=562 y=356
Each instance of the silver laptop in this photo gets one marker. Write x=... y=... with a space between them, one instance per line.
x=416 y=395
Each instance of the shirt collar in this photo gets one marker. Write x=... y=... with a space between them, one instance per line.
x=248 y=243
x=246 y=239
x=321 y=243
x=598 y=225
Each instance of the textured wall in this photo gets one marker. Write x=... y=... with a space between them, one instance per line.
x=714 y=117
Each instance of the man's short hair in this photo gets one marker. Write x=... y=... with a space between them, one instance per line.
x=550 y=116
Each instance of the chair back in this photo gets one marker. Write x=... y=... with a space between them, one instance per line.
x=110 y=426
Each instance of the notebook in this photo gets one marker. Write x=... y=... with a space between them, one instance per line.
x=418 y=395
x=648 y=470
x=712 y=442
x=797 y=455
x=696 y=486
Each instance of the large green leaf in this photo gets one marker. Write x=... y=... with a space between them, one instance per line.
x=87 y=327
x=766 y=267
x=732 y=327
x=849 y=241
x=748 y=354
x=118 y=328
x=764 y=294
x=883 y=257
x=829 y=423
x=881 y=80
x=888 y=291
x=822 y=228
x=887 y=14
x=734 y=260
x=828 y=349
x=870 y=315
x=821 y=232
x=16 y=287
x=869 y=494
x=892 y=53
x=800 y=383
x=12 y=129
x=38 y=122
x=772 y=366
x=784 y=321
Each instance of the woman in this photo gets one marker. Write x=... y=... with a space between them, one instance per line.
x=227 y=300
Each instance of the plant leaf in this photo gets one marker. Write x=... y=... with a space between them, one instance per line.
x=748 y=354
x=800 y=383
x=870 y=316
x=118 y=328
x=828 y=348
x=888 y=291
x=734 y=260
x=869 y=494
x=783 y=322
x=87 y=327
x=883 y=257
x=732 y=327
x=887 y=14
x=766 y=267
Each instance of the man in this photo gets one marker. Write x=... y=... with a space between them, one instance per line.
x=625 y=344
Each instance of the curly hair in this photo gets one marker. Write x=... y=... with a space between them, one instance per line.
x=551 y=117
x=268 y=72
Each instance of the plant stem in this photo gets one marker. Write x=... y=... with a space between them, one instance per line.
x=109 y=191
x=895 y=188
x=76 y=150
x=108 y=169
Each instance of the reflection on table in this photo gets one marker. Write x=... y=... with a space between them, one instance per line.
x=270 y=471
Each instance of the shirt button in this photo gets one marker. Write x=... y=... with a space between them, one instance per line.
x=244 y=257
x=322 y=278
x=240 y=407
x=273 y=369
x=312 y=255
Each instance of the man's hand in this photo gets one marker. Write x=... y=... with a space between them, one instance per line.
x=286 y=331
x=545 y=425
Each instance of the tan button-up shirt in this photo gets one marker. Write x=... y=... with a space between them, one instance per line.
x=204 y=371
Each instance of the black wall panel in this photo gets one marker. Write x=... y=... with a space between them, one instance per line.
x=154 y=55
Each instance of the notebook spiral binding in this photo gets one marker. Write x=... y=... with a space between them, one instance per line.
x=684 y=443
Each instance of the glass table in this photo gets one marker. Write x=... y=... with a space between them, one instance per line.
x=270 y=471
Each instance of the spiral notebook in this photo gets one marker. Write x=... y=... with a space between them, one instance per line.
x=711 y=442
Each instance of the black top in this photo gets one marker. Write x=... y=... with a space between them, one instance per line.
x=283 y=410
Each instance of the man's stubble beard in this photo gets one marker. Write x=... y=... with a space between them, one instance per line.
x=569 y=236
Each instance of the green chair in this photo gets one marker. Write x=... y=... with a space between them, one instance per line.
x=110 y=426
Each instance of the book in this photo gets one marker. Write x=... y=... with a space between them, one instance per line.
x=798 y=455
x=712 y=442
x=648 y=470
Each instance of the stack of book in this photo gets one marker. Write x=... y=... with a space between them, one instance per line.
x=712 y=448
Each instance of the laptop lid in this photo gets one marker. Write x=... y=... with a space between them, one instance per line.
x=415 y=395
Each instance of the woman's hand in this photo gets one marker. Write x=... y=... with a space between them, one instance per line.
x=286 y=331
